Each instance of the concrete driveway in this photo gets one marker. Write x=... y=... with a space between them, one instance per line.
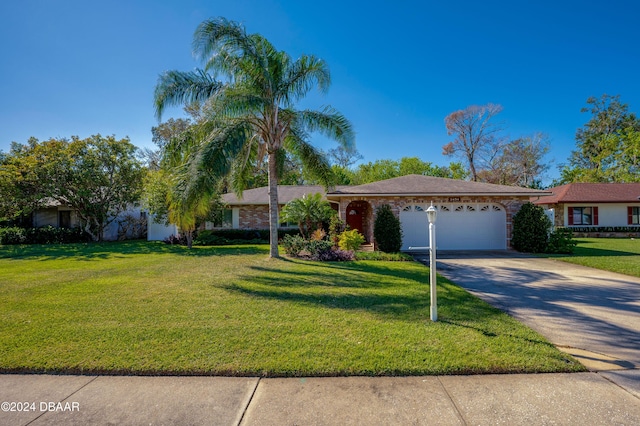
x=592 y=314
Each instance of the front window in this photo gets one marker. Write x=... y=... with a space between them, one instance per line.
x=224 y=219
x=582 y=216
x=635 y=216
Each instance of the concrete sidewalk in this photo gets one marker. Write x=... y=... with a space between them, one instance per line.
x=567 y=399
x=576 y=308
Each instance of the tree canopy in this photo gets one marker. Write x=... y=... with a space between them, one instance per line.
x=519 y=162
x=387 y=169
x=607 y=146
x=98 y=176
x=251 y=114
x=474 y=134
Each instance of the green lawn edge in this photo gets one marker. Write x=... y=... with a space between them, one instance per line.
x=619 y=255
x=138 y=308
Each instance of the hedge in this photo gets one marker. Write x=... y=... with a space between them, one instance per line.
x=238 y=236
x=44 y=235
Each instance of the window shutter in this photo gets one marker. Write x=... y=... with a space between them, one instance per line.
x=570 y=215
x=629 y=215
x=595 y=216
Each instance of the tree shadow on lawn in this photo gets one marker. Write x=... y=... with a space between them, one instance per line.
x=106 y=250
x=365 y=290
x=351 y=274
x=599 y=252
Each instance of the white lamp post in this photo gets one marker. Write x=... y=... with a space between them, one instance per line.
x=432 y=212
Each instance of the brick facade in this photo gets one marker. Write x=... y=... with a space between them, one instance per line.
x=257 y=216
x=511 y=205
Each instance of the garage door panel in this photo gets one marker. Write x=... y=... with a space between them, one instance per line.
x=415 y=228
x=458 y=227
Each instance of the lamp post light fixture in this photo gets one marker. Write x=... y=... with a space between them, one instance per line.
x=432 y=213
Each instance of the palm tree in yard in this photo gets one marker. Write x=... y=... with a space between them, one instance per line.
x=250 y=114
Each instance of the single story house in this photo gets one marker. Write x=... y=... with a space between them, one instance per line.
x=129 y=224
x=471 y=215
x=607 y=209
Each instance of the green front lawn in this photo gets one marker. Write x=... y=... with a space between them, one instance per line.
x=150 y=308
x=620 y=255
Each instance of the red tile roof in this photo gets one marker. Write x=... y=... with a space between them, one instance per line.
x=593 y=193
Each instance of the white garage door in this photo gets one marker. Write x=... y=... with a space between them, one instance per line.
x=459 y=226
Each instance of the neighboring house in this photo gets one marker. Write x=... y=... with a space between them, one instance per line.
x=159 y=231
x=471 y=215
x=129 y=224
x=605 y=209
x=52 y=213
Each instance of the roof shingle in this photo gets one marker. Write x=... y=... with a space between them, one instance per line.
x=430 y=185
x=593 y=193
x=286 y=193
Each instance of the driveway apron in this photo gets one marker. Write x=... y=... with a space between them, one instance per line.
x=592 y=314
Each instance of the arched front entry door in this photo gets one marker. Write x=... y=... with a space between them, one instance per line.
x=356 y=216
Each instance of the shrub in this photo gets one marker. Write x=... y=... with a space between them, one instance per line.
x=350 y=240
x=561 y=241
x=216 y=238
x=630 y=229
x=44 y=235
x=237 y=234
x=334 y=255
x=296 y=246
x=318 y=234
x=207 y=238
x=13 y=235
x=336 y=227
x=387 y=230
x=530 y=229
x=293 y=245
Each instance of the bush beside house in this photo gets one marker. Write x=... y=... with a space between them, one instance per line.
x=532 y=232
x=387 y=230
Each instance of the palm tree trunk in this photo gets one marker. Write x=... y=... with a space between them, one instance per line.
x=273 y=206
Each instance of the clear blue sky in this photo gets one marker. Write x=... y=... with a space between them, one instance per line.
x=81 y=67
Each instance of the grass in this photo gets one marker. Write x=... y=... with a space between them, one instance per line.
x=620 y=255
x=378 y=255
x=150 y=308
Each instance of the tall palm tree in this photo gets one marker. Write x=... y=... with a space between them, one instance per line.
x=250 y=114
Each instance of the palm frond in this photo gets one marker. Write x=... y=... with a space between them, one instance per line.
x=183 y=88
x=302 y=75
x=244 y=166
x=235 y=101
x=329 y=123
x=313 y=160
x=219 y=35
x=222 y=145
